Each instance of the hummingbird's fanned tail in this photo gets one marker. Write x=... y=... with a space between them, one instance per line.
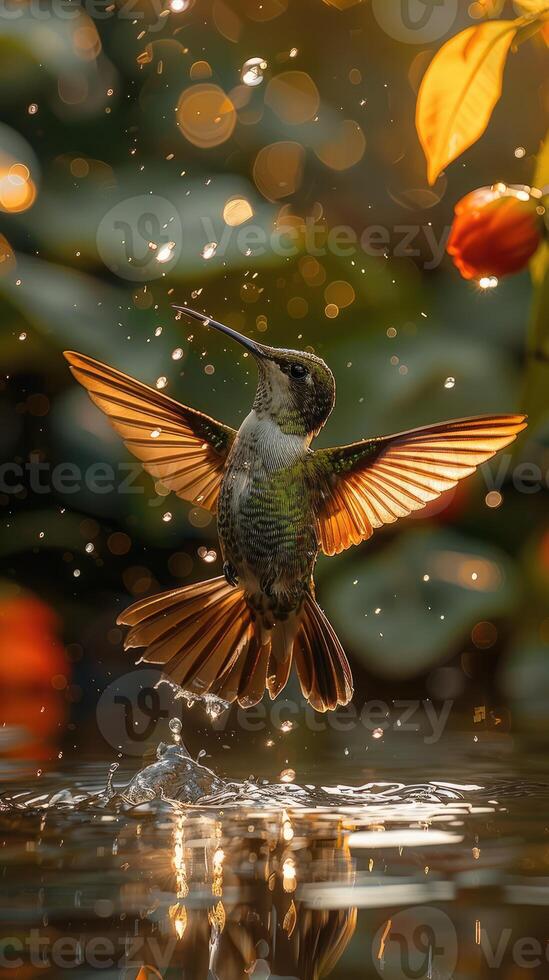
x=322 y=667
x=205 y=639
x=209 y=641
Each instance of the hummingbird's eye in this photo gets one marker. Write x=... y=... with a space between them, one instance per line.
x=298 y=371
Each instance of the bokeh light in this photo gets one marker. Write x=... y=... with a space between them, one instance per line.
x=205 y=115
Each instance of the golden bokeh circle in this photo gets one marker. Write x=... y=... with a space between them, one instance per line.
x=236 y=211
x=17 y=191
x=79 y=167
x=312 y=271
x=119 y=543
x=226 y=21
x=200 y=70
x=293 y=96
x=297 y=307
x=339 y=293
x=344 y=148
x=205 y=115
x=278 y=169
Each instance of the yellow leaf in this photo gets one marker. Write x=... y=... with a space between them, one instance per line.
x=533 y=6
x=459 y=91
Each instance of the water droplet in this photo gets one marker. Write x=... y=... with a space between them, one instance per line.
x=287 y=776
x=493 y=499
x=177 y=354
x=209 y=250
x=161 y=382
x=167 y=517
x=89 y=547
x=32 y=109
x=165 y=252
x=206 y=554
x=286 y=726
x=22 y=336
x=158 y=331
x=449 y=383
x=155 y=433
x=488 y=282
x=76 y=573
x=377 y=733
x=175 y=726
x=252 y=73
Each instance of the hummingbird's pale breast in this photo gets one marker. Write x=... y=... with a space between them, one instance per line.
x=265 y=511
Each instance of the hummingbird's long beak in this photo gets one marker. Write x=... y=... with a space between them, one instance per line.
x=256 y=349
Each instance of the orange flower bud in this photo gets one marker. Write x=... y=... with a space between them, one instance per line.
x=496 y=230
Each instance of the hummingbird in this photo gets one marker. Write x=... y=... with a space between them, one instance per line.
x=278 y=504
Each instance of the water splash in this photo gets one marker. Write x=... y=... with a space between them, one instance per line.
x=178 y=779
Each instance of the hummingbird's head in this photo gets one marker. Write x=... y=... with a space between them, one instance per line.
x=295 y=388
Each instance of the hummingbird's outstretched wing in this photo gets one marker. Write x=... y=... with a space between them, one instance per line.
x=179 y=446
x=376 y=481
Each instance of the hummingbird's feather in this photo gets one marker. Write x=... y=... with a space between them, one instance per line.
x=209 y=641
x=322 y=667
x=199 y=633
x=179 y=446
x=246 y=679
x=376 y=481
x=278 y=673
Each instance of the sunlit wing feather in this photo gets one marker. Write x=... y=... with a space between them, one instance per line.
x=376 y=481
x=182 y=448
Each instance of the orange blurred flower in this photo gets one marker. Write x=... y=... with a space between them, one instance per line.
x=34 y=672
x=496 y=230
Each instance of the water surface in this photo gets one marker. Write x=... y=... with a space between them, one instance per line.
x=174 y=871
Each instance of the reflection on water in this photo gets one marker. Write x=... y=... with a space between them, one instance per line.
x=179 y=873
